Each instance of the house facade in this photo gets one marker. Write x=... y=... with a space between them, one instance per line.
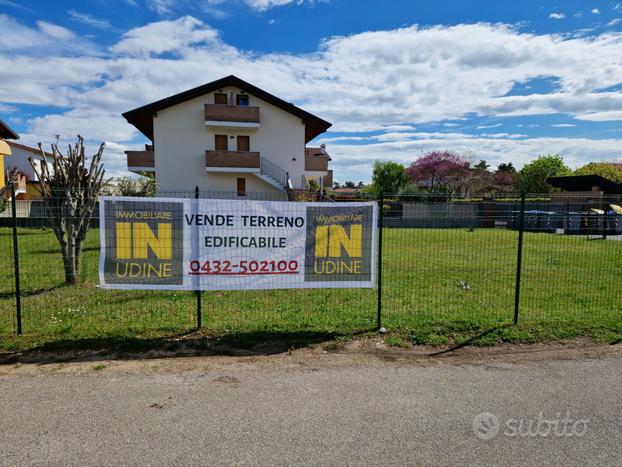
x=229 y=137
x=15 y=158
x=28 y=180
x=6 y=134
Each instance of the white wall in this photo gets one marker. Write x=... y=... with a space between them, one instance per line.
x=181 y=139
x=19 y=160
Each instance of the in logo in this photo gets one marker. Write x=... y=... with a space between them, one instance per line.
x=135 y=238
x=339 y=243
x=143 y=242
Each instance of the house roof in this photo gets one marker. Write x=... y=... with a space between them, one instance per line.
x=142 y=117
x=585 y=183
x=35 y=151
x=316 y=152
x=6 y=132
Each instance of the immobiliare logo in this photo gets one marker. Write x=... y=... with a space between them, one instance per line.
x=144 y=242
x=339 y=242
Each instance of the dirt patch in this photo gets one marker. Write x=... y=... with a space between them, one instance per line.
x=367 y=351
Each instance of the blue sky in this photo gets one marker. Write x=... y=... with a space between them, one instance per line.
x=495 y=80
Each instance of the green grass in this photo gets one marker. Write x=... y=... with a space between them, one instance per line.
x=440 y=286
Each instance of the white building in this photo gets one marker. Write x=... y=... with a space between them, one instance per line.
x=20 y=160
x=229 y=137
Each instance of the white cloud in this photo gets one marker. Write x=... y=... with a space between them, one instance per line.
x=496 y=125
x=398 y=127
x=263 y=5
x=89 y=20
x=161 y=7
x=372 y=81
x=557 y=15
x=165 y=36
x=563 y=125
x=10 y=4
x=503 y=135
x=55 y=31
x=614 y=22
x=600 y=116
x=46 y=40
x=617 y=6
x=595 y=11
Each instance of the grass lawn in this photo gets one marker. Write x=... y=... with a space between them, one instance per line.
x=439 y=286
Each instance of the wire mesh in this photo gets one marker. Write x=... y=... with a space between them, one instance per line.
x=447 y=261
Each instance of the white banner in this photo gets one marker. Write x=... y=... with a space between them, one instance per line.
x=212 y=244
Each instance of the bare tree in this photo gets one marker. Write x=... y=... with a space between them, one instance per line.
x=70 y=186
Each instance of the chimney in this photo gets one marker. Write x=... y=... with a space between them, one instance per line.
x=323 y=149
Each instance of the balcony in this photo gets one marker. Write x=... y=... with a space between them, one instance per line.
x=231 y=116
x=140 y=161
x=232 y=161
x=316 y=163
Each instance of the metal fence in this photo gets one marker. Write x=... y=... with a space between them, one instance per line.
x=476 y=260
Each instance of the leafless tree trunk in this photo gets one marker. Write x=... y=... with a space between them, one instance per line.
x=70 y=186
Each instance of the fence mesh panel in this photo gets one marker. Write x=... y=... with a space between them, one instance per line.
x=446 y=261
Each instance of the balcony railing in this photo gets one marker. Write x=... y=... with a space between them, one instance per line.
x=140 y=160
x=316 y=163
x=274 y=172
x=222 y=113
x=232 y=159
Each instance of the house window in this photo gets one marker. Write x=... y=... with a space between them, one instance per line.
x=220 y=98
x=244 y=143
x=241 y=99
x=220 y=143
x=241 y=186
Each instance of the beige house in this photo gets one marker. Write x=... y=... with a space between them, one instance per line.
x=229 y=137
x=20 y=161
x=6 y=133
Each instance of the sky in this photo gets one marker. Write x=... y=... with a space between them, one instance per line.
x=493 y=80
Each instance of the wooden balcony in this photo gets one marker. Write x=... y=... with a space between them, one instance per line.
x=316 y=163
x=233 y=116
x=140 y=161
x=232 y=161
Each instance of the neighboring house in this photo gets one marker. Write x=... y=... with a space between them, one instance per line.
x=15 y=157
x=229 y=136
x=6 y=133
x=20 y=162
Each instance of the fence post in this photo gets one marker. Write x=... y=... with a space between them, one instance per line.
x=519 y=258
x=198 y=292
x=380 y=225
x=18 y=300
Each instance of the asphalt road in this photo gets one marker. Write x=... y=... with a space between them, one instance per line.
x=376 y=413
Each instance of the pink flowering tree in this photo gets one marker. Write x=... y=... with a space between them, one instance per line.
x=439 y=168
